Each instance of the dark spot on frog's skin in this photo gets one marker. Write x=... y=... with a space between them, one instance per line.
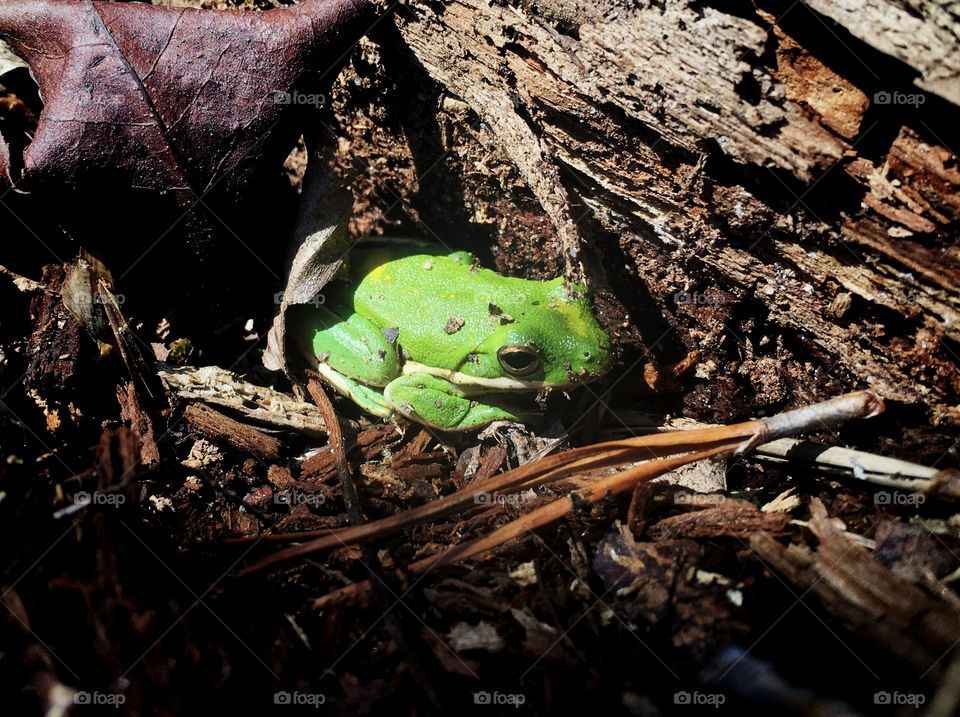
x=454 y=324
x=438 y=403
x=497 y=314
x=390 y=335
x=586 y=354
x=534 y=303
x=382 y=353
x=421 y=386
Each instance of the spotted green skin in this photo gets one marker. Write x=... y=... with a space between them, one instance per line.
x=415 y=332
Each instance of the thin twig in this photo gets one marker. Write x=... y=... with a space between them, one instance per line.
x=601 y=455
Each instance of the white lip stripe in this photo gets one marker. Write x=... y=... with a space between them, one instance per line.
x=461 y=379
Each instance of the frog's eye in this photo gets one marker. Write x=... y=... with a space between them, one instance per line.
x=518 y=360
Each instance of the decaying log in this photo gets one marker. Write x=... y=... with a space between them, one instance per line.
x=219 y=387
x=738 y=158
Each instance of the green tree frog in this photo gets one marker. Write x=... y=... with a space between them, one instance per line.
x=428 y=335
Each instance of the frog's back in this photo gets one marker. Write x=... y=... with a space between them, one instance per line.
x=441 y=304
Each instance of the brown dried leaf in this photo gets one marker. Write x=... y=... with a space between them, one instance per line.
x=164 y=118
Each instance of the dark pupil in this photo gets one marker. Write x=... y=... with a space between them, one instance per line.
x=518 y=360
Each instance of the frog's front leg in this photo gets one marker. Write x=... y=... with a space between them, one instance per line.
x=440 y=404
x=355 y=356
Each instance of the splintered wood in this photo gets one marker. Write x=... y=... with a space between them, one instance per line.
x=861 y=592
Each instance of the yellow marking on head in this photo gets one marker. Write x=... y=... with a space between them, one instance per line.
x=387 y=277
x=374 y=275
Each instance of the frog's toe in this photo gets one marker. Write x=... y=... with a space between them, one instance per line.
x=367 y=398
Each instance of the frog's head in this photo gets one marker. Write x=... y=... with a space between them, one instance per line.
x=555 y=343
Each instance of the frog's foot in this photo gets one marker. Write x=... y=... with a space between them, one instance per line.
x=355 y=347
x=367 y=398
x=437 y=403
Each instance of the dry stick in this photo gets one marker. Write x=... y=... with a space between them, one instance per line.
x=548 y=513
x=385 y=597
x=827 y=414
x=531 y=475
x=143 y=377
x=568 y=463
x=545 y=470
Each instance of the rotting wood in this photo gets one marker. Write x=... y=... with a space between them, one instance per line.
x=921 y=34
x=220 y=387
x=695 y=153
x=866 y=595
x=215 y=425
